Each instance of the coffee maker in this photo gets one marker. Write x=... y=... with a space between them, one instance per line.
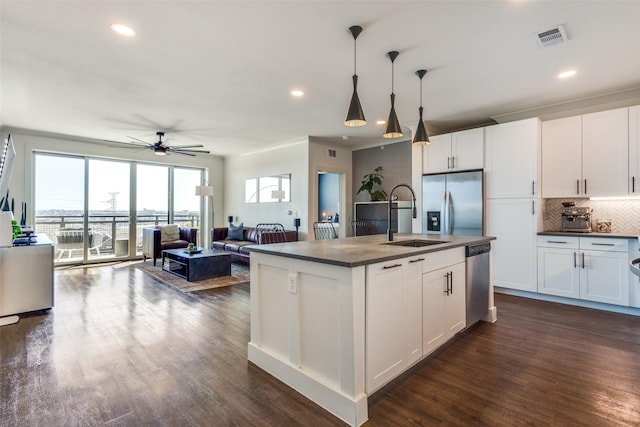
x=576 y=219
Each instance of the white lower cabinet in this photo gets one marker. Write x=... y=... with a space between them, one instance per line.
x=443 y=305
x=393 y=318
x=406 y=301
x=588 y=268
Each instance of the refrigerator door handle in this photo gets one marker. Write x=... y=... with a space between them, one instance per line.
x=446 y=213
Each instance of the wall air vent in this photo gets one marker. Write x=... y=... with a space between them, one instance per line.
x=551 y=37
x=331 y=153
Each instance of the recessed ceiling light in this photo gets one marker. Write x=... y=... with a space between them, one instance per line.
x=123 y=30
x=381 y=122
x=567 y=74
x=297 y=93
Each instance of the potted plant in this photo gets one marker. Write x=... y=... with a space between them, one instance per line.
x=372 y=184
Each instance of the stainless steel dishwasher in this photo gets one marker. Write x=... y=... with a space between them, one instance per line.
x=477 y=282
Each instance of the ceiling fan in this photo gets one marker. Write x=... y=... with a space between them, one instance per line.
x=161 y=149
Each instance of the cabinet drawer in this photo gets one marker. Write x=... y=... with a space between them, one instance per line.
x=604 y=244
x=441 y=259
x=566 y=242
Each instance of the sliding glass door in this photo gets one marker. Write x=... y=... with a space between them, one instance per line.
x=85 y=205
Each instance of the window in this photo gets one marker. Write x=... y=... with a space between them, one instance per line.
x=268 y=189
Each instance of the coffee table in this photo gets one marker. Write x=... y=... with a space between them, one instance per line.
x=196 y=266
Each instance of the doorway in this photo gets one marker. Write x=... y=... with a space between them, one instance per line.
x=332 y=200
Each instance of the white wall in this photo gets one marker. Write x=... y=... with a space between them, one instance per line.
x=291 y=158
x=27 y=142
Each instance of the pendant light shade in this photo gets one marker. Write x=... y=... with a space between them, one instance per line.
x=393 y=126
x=421 y=137
x=355 y=115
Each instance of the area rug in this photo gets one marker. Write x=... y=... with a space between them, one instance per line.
x=239 y=274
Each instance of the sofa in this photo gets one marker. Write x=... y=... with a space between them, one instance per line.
x=171 y=236
x=250 y=236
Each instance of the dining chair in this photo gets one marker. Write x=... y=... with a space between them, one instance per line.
x=324 y=230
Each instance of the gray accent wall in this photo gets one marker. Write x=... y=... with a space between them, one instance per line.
x=395 y=160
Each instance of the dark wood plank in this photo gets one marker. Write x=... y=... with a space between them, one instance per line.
x=121 y=349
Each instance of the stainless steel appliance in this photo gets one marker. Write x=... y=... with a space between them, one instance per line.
x=452 y=203
x=576 y=218
x=477 y=269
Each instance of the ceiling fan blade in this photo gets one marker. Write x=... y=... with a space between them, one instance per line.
x=187 y=146
x=189 y=151
x=180 y=152
x=139 y=140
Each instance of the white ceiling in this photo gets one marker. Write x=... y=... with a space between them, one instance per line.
x=219 y=72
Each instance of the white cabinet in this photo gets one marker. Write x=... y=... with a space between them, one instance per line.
x=634 y=150
x=26 y=277
x=457 y=151
x=515 y=224
x=512 y=159
x=443 y=305
x=558 y=259
x=586 y=156
x=588 y=268
x=562 y=157
x=393 y=319
x=411 y=302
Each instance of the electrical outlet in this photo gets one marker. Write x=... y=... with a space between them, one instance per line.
x=293 y=283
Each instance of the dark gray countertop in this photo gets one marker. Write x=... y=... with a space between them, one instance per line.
x=363 y=250
x=567 y=233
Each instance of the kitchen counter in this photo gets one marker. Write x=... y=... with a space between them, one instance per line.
x=593 y=234
x=364 y=250
x=312 y=325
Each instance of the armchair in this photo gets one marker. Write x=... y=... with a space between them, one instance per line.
x=155 y=240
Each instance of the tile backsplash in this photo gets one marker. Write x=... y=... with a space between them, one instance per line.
x=624 y=214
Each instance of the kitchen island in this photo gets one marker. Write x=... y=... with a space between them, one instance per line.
x=338 y=319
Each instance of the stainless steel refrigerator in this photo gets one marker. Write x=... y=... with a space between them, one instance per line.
x=452 y=203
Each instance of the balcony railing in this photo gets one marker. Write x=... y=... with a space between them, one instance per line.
x=112 y=228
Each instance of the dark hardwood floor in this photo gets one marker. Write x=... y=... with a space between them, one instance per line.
x=121 y=349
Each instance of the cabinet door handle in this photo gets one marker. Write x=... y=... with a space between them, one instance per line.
x=633 y=184
x=416 y=260
x=575 y=261
x=602 y=244
x=577 y=186
x=533 y=207
x=582 y=259
x=446 y=276
x=585 y=187
x=448 y=162
x=533 y=188
x=453 y=162
x=451 y=282
x=386 y=267
x=556 y=241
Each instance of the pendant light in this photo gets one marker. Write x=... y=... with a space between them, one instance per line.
x=355 y=116
x=421 y=137
x=393 y=126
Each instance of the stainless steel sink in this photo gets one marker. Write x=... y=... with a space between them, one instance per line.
x=415 y=243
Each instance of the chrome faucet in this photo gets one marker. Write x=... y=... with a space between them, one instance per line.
x=390 y=207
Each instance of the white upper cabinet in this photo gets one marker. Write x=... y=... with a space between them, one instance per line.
x=588 y=155
x=512 y=159
x=634 y=150
x=562 y=157
x=455 y=151
x=605 y=153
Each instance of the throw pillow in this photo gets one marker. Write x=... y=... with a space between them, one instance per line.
x=235 y=232
x=169 y=232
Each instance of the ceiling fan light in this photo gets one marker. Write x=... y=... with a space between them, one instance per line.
x=160 y=153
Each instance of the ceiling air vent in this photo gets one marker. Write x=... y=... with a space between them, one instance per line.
x=551 y=37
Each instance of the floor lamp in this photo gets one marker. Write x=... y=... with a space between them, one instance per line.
x=206 y=191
